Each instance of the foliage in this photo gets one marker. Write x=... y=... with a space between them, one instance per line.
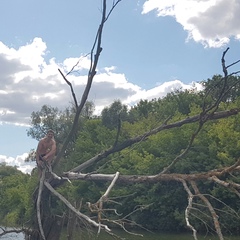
x=16 y=204
x=112 y=115
x=214 y=147
x=161 y=205
x=216 y=84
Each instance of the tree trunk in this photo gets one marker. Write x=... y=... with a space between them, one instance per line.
x=51 y=224
x=71 y=225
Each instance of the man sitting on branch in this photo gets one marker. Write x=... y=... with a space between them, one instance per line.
x=46 y=151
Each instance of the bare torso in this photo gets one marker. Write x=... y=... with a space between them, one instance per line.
x=46 y=149
x=45 y=146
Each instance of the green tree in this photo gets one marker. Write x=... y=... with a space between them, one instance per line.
x=16 y=188
x=112 y=115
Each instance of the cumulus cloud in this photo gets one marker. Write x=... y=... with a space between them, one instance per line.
x=19 y=163
x=28 y=82
x=211 y=22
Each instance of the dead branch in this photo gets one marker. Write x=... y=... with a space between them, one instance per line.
x=104 y=199
x=204 y=114
x=129 y=179
x=224 y=183
x=40 y=189
x=96 y=51
x=188 y=208
x=234 y=166
x=70 y=206
x=75 y=65
x=164 y=126
x=223 y=62
x=105 y=195
x=180 y=156
x=71 y=87
x=211 y=209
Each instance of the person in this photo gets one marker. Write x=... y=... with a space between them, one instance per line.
x=46 y=151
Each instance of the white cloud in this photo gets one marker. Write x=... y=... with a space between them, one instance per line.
x=28 y=82
x=211 y=22
x=161 y=91
x=19 y=162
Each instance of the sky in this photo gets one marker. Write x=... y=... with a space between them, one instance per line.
x=150 y=48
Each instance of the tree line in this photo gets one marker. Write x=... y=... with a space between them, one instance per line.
x=158 y=206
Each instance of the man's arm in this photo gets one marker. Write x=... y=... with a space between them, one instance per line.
x=38 y=151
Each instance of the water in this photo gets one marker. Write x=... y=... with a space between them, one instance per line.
x=126 y=236
x=145 y=236
x=161 y=236
x=12 y=236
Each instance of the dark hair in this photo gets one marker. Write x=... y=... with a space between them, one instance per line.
x=50 y=131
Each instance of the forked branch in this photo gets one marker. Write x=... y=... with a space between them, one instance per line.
x=211 y=209
x=72 y=208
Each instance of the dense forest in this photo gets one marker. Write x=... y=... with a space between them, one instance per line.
x=151 y=205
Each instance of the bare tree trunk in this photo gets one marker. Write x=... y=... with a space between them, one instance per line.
x=72 y=221
x=45 y=226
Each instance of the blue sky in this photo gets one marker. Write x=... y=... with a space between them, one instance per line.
x=149 y=48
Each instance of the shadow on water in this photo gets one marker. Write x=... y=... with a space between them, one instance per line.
x=145 y=236
x=142 y=235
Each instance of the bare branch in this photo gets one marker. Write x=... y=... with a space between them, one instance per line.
x=229 y=169
x=194 y=135
x=72 y=69
x=232 y=64
x=103 y=199
x=188 y=208
x=71 y=87
x=69 y=205
x=91 y=74
x=128 y=179
x=234 y=73
x=38 y=203
x=164 y=126
x=211 y=209
x=223 y=62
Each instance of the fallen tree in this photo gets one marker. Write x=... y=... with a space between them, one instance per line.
x=48 y=226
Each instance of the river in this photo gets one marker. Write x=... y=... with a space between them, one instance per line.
x=12 y=236
x=145 y=236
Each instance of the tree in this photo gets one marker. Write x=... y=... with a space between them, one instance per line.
x=113 y=114
x=45 y=225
